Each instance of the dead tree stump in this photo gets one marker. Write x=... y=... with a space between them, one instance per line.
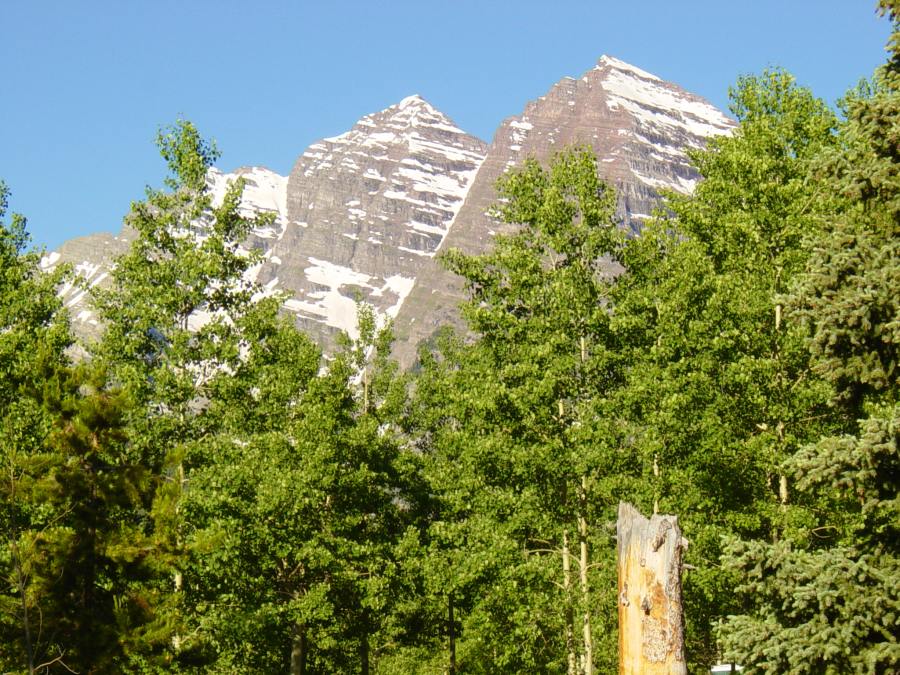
x=651 y=621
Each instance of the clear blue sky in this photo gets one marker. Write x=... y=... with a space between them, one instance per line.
x=85 y=85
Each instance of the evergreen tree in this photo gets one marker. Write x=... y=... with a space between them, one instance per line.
x=33 y=337
x=72 y=501
x=94 y=555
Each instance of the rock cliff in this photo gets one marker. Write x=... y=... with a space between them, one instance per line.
x=362 y=215
x=639 y=126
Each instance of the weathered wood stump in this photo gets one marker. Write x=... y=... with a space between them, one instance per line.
x=651 y=621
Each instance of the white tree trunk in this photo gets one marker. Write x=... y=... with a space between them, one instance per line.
x=588 y=656
x=571 y=657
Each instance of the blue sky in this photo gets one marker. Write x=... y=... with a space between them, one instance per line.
x=86 y=85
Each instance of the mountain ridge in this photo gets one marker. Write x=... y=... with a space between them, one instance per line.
x=362 y=214
x=639 y=127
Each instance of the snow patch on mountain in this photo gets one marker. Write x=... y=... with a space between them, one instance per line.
x=333 y=303
x=655 y=103
x=264 y=192
x=618 y=64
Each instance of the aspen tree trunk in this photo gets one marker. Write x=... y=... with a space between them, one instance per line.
x=178 y=578
x=452 y=632
x=651 y=620
x=571 y=657
x=588 y=656
x=782 y=478
x=298 y=650
x=365 y=383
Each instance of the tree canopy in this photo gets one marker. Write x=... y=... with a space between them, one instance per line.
x=201 y=489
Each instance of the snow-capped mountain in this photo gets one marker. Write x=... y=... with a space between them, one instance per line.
x=640 y=128
x=361 y=215
x=357 y=218
x=367 y=210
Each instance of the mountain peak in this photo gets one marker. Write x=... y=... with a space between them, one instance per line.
x=414 y=101
x=363 y=214
x=372 y=206
x=611 y=62
x=415 y=111
x=656 y=103
x=400 y=119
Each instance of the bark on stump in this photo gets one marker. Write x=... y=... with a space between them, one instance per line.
x=651 y=621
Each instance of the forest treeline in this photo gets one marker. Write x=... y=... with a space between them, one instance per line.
x=202 y=492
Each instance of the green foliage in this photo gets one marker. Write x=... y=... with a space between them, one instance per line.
x=33 y=329
x=847 y=296
x=520 y=443
x=718 y=390
x=204 y=495
x=831 y=606
x=293 y=516
x=72 y=500
x=829 y=603
x=33 y=337
x=170 y=314
x=178 y=321
x=96 y=552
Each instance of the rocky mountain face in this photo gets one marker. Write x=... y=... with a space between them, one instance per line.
x=356 y=220
x=362 y=215
x=366 y=212
x=640 y=128
x=92 y=257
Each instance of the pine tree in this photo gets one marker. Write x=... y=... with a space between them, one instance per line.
x=94 y=555
x=33 y=337
x=72 y=501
